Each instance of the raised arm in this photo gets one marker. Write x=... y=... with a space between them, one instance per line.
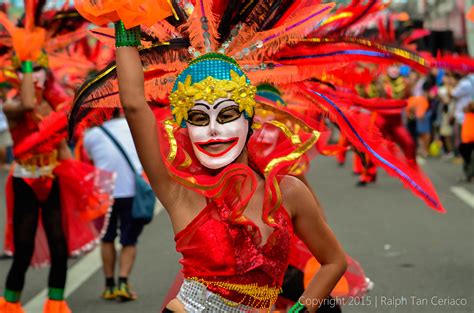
x=142 y=122
x=311 y=228
x=27 y=95
x=16 y=109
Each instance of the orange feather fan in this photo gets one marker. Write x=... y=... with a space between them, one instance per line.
x=132 y=13
x=27 y=42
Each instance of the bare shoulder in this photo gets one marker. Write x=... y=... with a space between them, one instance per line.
x=294 y=192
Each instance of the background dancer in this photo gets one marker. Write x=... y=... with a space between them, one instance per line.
x=33 y=188
x=56 y=207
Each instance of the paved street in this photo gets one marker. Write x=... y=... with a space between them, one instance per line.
x=418 y=259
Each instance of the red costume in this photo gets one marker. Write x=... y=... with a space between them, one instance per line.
x=55 y=208
x=209 y=60
x=225 y=256
x=85 y=191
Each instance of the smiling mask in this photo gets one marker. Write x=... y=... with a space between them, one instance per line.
x=218 y=132
x=215 y=100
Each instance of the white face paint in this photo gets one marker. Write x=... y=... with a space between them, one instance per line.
x=218 y=132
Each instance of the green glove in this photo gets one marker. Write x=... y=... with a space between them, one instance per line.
x=127 y=37
x=27 y=67
x=297 y=308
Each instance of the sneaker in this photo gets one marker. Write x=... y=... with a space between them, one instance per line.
x=110 y=293
x=457 y=161
x=448 y=156
x=124 y=293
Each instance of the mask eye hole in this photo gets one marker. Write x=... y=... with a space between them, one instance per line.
x=198 y=118
x=228 y=114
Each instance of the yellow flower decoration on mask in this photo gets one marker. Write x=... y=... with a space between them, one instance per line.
x=209 y=90
x=243 y=94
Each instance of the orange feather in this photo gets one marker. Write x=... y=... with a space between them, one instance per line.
x=295 y=28
x=197 y=29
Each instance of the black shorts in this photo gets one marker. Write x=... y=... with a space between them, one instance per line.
x=121 y=216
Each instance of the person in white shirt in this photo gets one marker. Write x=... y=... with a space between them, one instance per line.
x=105 y=155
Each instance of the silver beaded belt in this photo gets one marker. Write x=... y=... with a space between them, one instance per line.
x=196 y=298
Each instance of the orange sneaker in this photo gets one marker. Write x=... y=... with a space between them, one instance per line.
x=10 y=307
x=56 y=306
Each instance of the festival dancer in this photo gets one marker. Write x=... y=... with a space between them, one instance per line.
x=46 y=182
x=32 y=188
x=217 y=145
x=362 y=163
x=197 y=148
x=56 y=206
x=251 y=220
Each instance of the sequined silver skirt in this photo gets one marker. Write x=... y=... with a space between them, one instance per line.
x=196 y=298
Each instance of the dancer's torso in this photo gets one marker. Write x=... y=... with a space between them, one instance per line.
x=25 y=125
x=21 y=128
x=236 y=260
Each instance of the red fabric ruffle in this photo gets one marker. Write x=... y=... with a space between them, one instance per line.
x=352 y=284
x=86 y=200
x=9 y=307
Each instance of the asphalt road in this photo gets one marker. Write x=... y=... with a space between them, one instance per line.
x=420 y=261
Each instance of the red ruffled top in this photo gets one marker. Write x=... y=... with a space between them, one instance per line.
x=31 y=138
x=86 y=192
x=216 y=249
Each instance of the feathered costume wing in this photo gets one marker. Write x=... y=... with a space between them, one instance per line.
x=278 y=42
x=290 y=43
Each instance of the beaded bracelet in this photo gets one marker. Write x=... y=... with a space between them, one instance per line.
x=127 y=37
x=27 y=67
x=298 y=308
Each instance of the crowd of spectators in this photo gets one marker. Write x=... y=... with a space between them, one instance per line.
x=440 y=117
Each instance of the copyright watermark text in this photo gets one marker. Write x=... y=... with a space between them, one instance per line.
x=388 y=301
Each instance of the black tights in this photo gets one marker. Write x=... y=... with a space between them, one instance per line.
x=25 y=221
x=467 y=152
